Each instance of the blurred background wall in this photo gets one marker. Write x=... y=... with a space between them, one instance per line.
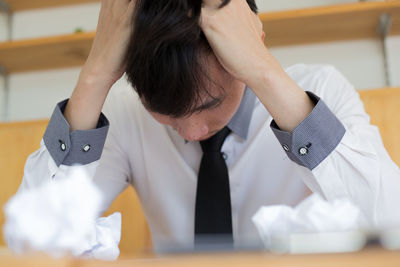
x=33 y=95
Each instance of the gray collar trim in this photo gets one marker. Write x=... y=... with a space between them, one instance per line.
x=240 y=122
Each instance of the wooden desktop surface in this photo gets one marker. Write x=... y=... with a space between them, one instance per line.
x=365 y=258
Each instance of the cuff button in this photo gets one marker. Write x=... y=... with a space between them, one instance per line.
x=63 y=146
x=285 y=147
x=86 y=148
x=303 y=151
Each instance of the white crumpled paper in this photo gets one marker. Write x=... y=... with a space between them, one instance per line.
x=278 y=224
x=60 y=218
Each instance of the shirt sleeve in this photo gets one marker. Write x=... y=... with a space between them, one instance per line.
x=314 y=138
x=61 y=152
x=354 y=163
x=95 y=152
x=76 y=147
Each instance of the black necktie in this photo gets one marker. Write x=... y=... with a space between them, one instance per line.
x=213 y=216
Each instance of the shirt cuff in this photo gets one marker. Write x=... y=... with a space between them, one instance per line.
x=314 y=138
x=76 y=147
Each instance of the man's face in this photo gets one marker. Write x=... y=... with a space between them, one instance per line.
x=202 y=124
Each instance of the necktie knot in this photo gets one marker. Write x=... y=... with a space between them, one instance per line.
x=215 y=142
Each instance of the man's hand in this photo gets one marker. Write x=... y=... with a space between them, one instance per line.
x=235 y=34
x=111 y=41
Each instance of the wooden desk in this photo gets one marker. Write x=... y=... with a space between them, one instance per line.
x=365 y=258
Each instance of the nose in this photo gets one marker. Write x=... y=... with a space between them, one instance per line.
x=193 y=133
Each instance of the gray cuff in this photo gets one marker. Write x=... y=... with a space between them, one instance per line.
x=77 y=147
x=314 y=138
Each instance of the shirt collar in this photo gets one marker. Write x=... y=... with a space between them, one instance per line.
x=240 y=122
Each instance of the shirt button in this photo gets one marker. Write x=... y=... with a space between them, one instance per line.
x=63 y=146
x=303 y=151
x=225 y=156
x=86 y=148
x=285 y=147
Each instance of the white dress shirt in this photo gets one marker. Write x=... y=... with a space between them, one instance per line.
x=163 y=168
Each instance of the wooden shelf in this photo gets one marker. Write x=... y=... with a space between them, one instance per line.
x=312 y=25
x=46 y=53
x=19 y=5
x=329 y=23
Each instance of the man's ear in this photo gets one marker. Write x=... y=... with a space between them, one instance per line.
x=263 y=36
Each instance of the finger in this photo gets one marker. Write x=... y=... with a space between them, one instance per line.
x=121 y=5
x=258 y=24
x=130 y=15
x=106 y=3
x=205 y=15
x=131 y=6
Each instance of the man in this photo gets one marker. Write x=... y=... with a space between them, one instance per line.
x=197 y=68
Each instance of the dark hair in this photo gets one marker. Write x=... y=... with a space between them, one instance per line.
x=165 y=61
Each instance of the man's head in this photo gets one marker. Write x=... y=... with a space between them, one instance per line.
x=174 y=71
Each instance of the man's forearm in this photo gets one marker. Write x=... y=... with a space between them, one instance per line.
x=104 y=66
x=287 y=103
x=84 y=107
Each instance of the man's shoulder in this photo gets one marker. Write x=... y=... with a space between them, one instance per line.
x=123 y=107
x=122 y=96
x=301 y=72
x=324 y=80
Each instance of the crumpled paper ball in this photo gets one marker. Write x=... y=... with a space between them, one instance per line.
x=60 y=218
x=333 y=222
